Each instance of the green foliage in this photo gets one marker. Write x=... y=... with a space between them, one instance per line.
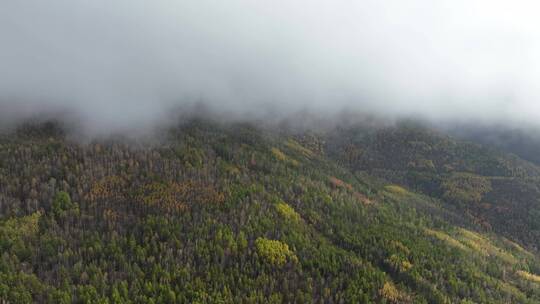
x=465 y=188
x=16 y=232
x=182 y=221
x=61 y=204
x=191 y=156
x=479 y=182
x=398 y=264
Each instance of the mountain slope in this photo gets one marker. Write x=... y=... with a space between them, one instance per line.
x=229 y=213
x=498 y=190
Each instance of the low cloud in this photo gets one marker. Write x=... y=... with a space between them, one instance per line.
x=122 y=64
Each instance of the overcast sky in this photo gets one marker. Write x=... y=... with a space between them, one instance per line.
x=118 y=63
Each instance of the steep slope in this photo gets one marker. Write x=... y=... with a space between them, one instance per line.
x=500 y=191
x=228 y=213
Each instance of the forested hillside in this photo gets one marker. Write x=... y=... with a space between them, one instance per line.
x=524 y=141
x=499 y=191
x=233 y=213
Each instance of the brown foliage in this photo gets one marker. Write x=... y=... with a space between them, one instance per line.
x=175 y=196
x=108 y=188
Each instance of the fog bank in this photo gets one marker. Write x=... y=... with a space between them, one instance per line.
x=125 y=64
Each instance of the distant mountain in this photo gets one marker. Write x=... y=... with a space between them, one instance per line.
x=524 y=142
x=237 y=213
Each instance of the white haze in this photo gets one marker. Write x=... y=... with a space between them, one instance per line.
x=120 y=64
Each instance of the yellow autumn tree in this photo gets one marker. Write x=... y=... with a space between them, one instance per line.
x=274 y=252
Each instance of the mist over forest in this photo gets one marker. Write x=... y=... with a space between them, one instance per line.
x=125 y=64
x=205 y=151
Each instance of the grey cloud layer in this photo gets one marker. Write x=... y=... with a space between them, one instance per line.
x=118 y=63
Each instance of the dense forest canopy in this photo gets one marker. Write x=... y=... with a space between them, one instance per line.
x=235 y=213
x=328 y=152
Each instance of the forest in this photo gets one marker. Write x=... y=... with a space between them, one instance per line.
x=215 y=212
